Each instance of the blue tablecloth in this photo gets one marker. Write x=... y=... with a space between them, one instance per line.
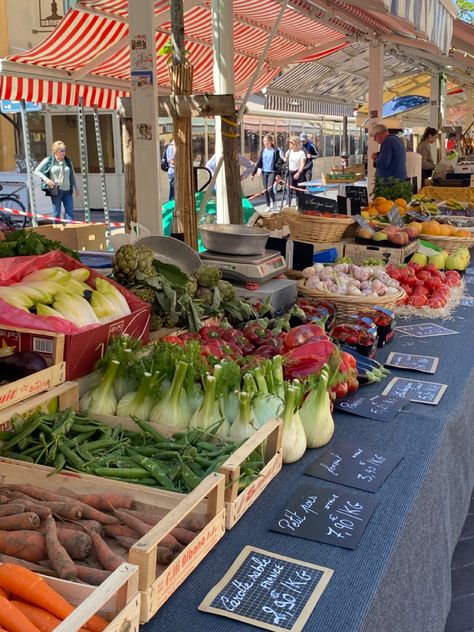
x=398 y=579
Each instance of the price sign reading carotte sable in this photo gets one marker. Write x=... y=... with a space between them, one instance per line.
x=426 y=364
x=416 y=390
x=326 y=515
x=376 y=407
x=425 y=330
x=355 y=466
x=268 y=590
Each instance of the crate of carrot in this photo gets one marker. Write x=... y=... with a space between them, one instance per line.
x=30 y=602
x=77 y=527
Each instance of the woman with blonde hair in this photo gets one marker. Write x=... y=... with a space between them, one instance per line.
x=269 y=162
x=58 y=180
x=295 y=158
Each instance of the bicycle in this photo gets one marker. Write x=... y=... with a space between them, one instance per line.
x=12 y=201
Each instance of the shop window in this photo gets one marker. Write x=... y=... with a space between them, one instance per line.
x=198 y=143
x=251 y=137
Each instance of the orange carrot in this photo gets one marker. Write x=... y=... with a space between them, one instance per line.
x=120 y=529
x=109 y=560
x=27 y=545
x=57 y=554
x=77 y=543
x=26 y=520
x=69 y=510
x=104 y=502
x=30 y=505
x=39 y=568
x=184 y=536
x=91 y=575
x=44 y=620
x=12 y=509
x=32 y=588
x=3 y=593
x=131 y=521
x=13 y=619
x=36 y=492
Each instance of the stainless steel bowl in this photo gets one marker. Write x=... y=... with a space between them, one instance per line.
x=234 y=239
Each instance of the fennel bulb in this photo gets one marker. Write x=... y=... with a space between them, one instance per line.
x=173 y=410
x=243 y=426
x=265 y=405
x=101 y=399
x=229 y=405
x=208 y=414
x=195 y=396
x=124 y=382
x=138 y=403
x=316 y=414
x=293 y=442
x=278 y=380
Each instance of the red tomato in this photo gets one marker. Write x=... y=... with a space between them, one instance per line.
x=435 y=303
x=408 y=290
x=443 y=289
x=423 y=275
x=415 y=266
x=453 y=273
x=439 y=297
x=394 y=273
x=352 y=384
x=421 y=289
x=433 y=283
x=417 y=300
x=340 y=390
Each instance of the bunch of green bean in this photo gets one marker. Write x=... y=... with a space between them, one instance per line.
x=72 y=440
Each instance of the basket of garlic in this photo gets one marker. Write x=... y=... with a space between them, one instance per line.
x=350 y=287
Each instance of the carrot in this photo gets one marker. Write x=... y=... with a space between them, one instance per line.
x=19 y=521
x=13 y=619
x=134 y=523
x=114 y=530
x=33 y=588
x=38 y=568
x=42 y=510
x=126 y=541
x=77 y=543
x=27 y=545
x=44 y=620
x=90 y=513
x=143 y=516
x=57 y=554
x=194 y=522
x=3 y=593
x=164 y=555
x=12 y=509
x=109 y=560
x=105 y=502
x=171 y=543
x=184 y=536
x=69 y=510
x=91 y=575
x=36 y=492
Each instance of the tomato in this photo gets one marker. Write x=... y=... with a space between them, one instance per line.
x=415 y=266
x=421 y=289
x=453 y=273
x=439 y=297
x=407 y=289
x=443 y=289
x=175 y=340
x=435 y=303
x=433 y=283
x=340 y=390
x=352 y=384
x=349 y=359
x=394 y=273
x=423 y=275
x=417 y=300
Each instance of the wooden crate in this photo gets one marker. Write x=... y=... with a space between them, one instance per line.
x=156 y=582
x=359 y=252
x=63 y=396
x=48 y=344
x=19 y=390
x=116 y=599
x=268 y=437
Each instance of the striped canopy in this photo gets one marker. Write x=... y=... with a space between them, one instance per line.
x=87 y=55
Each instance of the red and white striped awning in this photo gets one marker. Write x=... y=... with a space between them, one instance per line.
x=87 y=55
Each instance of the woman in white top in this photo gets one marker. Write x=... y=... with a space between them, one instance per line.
x=295 y=158
x=59 y=180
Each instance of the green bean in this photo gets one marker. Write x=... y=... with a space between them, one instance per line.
x=154 y=468
x=71 y=456
x=149 y=482
x=190 y=479
x=121 y=472
x=100 y=444
x=148 y=429
x=59 y=463
x=6 y=435
x=19 y=457
x=27 y=428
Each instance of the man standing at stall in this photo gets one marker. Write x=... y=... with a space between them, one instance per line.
x=311 y=154
x=391 y=160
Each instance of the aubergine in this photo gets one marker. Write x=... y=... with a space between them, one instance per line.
x=20 y=364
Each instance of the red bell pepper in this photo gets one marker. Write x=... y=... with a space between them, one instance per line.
x=214 y=332
x=256 y=334
x=302 y=334
x=189 y=335
x=265 y=351
x=175 y=340
x=308 y=359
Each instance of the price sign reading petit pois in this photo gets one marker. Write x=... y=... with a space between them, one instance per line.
x=355 y=466
x=425 y=364
x=416 y=390
x=326 y=515
x=268 y=590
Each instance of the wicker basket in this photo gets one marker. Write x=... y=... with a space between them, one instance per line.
x=317 y=229
x=450 y=244
x=349 y=305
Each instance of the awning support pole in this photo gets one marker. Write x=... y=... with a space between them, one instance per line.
x=103 y=187
x=84 y=160
x=443 y=95
x=376 y=58
x=29 y=167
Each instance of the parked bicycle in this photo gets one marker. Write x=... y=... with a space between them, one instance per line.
x=12 y=201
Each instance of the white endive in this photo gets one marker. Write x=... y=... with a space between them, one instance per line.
x=293 y=439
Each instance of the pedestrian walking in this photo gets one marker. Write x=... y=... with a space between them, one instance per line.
x=311 y=155
x=170 y=158
x=269 y=164
x=295 y=159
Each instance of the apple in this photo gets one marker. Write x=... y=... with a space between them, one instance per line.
x=419 y=258
x=380 y=236
x=365 y=233
x=416 y=225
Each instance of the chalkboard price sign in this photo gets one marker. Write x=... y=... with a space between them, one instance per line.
x=318 y=203
x=425 y=364
x=357 y=193
x=326 y=515
x=376 y=407
x=425 y=330
x=355 y=466
x=469 y=278
x=467 y=301
x=416 y=390
x=268 y=590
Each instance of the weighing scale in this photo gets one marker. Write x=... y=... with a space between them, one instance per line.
x=253 y=276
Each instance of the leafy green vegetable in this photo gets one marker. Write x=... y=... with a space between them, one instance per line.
x=28 y=242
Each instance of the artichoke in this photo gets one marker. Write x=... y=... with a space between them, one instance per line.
x=208 y=276
x=125 y=262
x=146 y=257
x=204 y=294
x=191 y=286
x=227 y=290
x=146 y=294
x=156 y=322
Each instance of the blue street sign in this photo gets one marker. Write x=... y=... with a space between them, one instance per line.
x=12 y=107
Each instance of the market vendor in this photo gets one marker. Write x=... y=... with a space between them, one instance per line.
x=391 y=160
x=430 y=136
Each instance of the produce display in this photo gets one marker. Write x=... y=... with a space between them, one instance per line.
x=29 y=604
x=388 y=235
x=424 y=285
x=178 y=299
x=458 y=260
x=59 y=293
x=345 y=279
x=27 y=242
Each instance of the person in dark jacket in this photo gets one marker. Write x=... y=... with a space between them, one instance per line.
x=391 y=160
x=269 y=163
x=311 y=154
x=59 y=180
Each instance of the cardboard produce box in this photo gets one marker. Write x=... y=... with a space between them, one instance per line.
x=82 y=347
x=75 y=236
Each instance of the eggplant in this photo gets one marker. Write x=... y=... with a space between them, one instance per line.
x=20 y=364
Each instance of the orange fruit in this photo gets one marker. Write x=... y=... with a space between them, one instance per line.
x=444 y=230
x=384 y=207
x=430 y=228
x=401 y=202
x=453 y=231
x=416 y=225
x=379 y=200
x=463 y=233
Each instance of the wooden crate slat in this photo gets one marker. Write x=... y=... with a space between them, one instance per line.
x=26 y=387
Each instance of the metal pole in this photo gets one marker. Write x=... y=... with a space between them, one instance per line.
x=100 y=156
x=29 y=166
x=84 y=159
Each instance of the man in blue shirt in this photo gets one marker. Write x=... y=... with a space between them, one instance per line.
x=391 y=160
x=311 y=154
